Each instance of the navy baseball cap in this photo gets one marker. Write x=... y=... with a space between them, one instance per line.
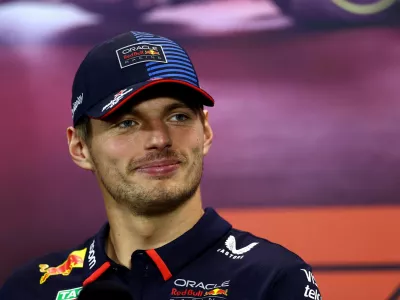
x=116 y=70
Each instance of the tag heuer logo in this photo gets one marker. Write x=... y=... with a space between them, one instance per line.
x=71 y=294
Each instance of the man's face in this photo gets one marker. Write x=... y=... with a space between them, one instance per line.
x=149 y=155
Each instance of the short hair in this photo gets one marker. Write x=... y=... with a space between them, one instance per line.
x=83 y=129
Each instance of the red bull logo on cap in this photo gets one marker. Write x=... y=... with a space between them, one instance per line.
x=74 y=260
x=152 y=52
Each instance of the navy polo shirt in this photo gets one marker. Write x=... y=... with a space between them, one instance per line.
x=210 y=261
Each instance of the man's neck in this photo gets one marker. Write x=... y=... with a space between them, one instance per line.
x=129 y=232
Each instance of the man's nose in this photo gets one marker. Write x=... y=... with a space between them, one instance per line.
x=158 y=136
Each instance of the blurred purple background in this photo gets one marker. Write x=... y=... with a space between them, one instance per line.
x=307 y=107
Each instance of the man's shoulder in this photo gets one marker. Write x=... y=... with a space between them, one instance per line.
x=259 y=251
x=32 y=277
x=32 y=267
x=282 y=272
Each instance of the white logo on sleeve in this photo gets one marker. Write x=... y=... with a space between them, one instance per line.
x=233 y=252
x=309 y=292
x=92 y=256
x=231 y=245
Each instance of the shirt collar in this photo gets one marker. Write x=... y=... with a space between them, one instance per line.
x=202 y=236
x=170 y=258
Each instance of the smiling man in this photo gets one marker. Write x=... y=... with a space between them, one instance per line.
x=140 y=127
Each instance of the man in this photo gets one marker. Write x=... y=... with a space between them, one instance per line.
x=140 y=127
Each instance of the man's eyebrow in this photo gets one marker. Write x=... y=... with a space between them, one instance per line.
x=167 y=108
x=176 y=105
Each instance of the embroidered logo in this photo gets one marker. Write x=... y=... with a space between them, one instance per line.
x=232 y=251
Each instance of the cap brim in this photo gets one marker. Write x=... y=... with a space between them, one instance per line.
x=109 y=105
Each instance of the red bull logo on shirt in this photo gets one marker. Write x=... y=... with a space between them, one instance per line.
x=186 y=292
x=216 y=292
x=74 y=260
x=190 y=289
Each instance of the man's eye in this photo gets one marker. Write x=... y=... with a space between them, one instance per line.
x=126 y=124
x=179 y=118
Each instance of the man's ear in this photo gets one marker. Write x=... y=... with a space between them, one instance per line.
x=208 y=134
x=79 y=150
